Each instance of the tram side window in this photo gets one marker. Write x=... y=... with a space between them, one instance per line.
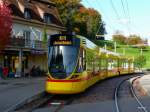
x=114 y=64
x=81 y=66
x=99 y=64
x=89 y=65
x=90 y=61
x=120 y=64
x=84 y=59
x=103 y=64
x=110 y=64
x=96 y=65
x=125 y=64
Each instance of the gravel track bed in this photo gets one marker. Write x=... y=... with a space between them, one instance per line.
x=104 y=91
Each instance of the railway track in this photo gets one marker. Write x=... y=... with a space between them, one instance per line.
x=58 y=102
x=53 y=102
x=132 y=91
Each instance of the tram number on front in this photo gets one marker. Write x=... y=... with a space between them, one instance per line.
x=62 y=38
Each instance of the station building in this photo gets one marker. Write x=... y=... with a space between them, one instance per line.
x=33 y=21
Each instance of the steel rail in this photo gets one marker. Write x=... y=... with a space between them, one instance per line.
x=116 y=94
x=132 y=92
x=60 y=103
x=136 y=97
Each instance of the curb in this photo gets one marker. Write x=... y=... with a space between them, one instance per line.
x=25 y=101
x=139 y=89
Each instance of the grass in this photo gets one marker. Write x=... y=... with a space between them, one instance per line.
x=130 y=51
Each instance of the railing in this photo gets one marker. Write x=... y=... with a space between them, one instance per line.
x=19 y=42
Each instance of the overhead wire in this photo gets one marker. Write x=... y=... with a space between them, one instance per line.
x=107 y=17
x=126 y=13
x=122 y=3
x=109 y=25
x=113 y=6
x=135 y=27
x=126 y=16
x=128 y=10
x=95 y=18
x=130 y=23
x=117 y=15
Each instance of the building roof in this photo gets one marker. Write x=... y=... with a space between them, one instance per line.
x=37 y=9
x=46 y=2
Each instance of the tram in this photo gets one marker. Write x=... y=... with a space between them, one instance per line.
x=75 y=64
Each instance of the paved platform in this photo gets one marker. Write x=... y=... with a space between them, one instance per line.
x=16 y=91
x=144 y=83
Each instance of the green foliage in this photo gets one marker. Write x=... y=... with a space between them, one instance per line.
x=77 y=18
x=140 y=61
x=102 y=43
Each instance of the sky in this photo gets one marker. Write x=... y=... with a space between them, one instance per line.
x=132 y=17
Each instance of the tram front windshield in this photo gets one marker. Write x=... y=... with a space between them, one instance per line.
x=62 y=60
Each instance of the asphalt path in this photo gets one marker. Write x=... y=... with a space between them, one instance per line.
x=14 y=91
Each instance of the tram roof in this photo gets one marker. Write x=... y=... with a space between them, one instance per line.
x=109 y=52
x=91 y=45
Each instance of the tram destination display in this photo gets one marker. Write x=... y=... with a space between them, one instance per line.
x=61 y=40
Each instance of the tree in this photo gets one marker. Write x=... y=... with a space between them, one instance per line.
x=77 y=18
x=67 y=10
x=119 y=38
x=134 y=39
x=5 y=25
x=89 y=19
x=140 y=61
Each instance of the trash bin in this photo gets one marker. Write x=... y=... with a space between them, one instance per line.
x=11 y=75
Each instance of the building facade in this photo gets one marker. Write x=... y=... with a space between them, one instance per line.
x=33 y=22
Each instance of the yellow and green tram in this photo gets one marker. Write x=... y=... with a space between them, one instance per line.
x=75 y=63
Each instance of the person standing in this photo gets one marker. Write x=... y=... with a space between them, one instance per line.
x=32 y=71
x=5 y=72
x=1 y=71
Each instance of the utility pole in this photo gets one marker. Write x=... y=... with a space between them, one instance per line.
x=105 y=47
x=141 y=51
x=115 y=45
x=124 y=51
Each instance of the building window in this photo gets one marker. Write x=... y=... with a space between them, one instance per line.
x=27 y=13
x=26 y=35
x=47 y=18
